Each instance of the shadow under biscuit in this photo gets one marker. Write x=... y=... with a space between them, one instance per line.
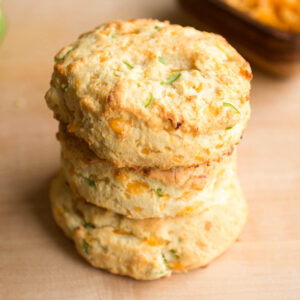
x=40 y=209
x=39 y=203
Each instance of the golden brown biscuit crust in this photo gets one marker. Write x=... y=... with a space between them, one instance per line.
x=185 y=177
x=129 y=192
x=147 y=93
x=152 y=248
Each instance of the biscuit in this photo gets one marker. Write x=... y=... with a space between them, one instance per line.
x=151 y=248
x=135 y=193
x=144 y=93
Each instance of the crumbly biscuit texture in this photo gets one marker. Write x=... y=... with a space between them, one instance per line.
x=129 y=192
x=145 y=93
x=152 y=248
x=80 y=155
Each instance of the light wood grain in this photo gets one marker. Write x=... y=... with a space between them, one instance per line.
x=38 y=262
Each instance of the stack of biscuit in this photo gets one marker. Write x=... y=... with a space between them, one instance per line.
x=150 y=115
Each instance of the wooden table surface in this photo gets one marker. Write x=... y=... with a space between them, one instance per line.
x=38 y=262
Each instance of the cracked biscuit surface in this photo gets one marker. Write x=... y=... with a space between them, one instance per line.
x=151 y=248
x=140 y=194
x=144 y=93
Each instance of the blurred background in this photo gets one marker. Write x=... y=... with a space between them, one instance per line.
x=35 y=259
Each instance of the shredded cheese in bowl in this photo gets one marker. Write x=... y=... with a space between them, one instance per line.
x=281 y=14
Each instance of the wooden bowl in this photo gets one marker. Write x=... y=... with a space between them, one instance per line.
x=273 y=50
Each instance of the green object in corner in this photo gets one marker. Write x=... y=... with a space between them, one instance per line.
x=2 y=25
